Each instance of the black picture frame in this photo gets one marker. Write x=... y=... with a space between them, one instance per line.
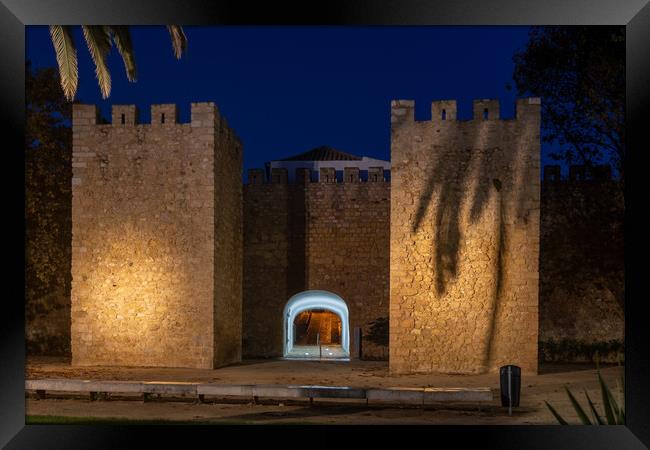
x=634 y=14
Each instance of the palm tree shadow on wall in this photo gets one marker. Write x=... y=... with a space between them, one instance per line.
x=475 y=175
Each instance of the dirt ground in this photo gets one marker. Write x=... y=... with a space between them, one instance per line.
x=548 y=385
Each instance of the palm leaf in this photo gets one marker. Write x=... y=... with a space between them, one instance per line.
x=621 y=398
x=621 y=417
x=609 y=413
x=555 y=413
x=615 y=415
x=99 y=44
x=621 y=388
x=622 y=401
x=122 y=40
x=66 y=58
x=179 y=40
x=615 y=409
x=581 y=412
x=597 y=417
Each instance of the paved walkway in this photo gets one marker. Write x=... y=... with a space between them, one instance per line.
x=548 y=386
x=198 y=391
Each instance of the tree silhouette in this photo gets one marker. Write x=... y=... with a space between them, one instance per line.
x=579 y=72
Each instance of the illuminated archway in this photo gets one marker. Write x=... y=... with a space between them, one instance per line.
x=309 y=300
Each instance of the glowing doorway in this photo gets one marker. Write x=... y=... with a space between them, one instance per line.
x=321 y=314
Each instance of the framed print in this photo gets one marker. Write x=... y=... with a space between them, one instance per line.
x=427 y=215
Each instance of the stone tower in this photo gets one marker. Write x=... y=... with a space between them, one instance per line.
x=156 y=239
x=464 y=238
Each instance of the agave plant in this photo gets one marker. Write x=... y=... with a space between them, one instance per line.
x=99 y=39
x=613 y=413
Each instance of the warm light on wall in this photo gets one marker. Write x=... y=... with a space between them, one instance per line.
x=135 y=290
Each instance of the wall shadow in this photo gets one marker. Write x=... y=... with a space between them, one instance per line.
x=477 y=175
x=451 y=172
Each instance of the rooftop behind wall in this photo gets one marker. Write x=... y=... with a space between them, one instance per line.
x=578 y=172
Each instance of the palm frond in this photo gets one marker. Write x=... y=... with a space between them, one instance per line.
x=614 y=414
x=622 y=411
x=621 y=416
x=581 y=413
x=122 y=39
x=619 y=394
x=99 y=44
x=66 y=58
x=555 y=413
x=597 y=417
x=179 y=40
x=612 y=411
x=621 y=388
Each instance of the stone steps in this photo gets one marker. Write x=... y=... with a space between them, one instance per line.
x=400 y=395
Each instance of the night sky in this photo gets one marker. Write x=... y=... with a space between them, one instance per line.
x=286 y=90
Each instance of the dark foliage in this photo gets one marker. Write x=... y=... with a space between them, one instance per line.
x=378 y=333
x=48 y=180
x=579 y=72
x=573 y=350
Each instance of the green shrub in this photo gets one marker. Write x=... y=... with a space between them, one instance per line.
x=574 y=350
x=378 y=333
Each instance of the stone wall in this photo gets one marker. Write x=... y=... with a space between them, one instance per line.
x=582 y=271
x=464 y=239
x=150 y=233
x=154 y=240
x=313 y=236
x=228 y=248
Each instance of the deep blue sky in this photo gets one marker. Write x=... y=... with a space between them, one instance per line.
x=286 y=90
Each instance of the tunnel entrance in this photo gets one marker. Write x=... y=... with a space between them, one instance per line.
x=316 y=326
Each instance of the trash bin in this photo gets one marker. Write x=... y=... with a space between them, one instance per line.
x=514 y=374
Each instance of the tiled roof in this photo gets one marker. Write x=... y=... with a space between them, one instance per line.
x=323 y=153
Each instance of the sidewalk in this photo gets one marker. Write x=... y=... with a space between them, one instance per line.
x=356 y=374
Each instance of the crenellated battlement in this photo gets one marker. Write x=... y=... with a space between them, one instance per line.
x=123 y=115
x=326 y=175
x=164 y=115
x=352 y=175
x=577 y=172
x=445 y=111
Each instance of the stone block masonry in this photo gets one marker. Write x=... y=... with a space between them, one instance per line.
x=448 y=249
x=156 y=239
x=314 y=236
x=464 y=239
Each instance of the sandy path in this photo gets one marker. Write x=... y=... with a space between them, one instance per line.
x=549 y=385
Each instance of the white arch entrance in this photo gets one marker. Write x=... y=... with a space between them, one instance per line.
x=309 y=300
